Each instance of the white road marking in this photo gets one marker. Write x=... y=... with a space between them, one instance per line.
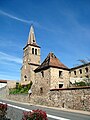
x=50 y=116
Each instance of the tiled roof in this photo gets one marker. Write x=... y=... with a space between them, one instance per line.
x=80 y=66
x=51 y=61
x=3 y=81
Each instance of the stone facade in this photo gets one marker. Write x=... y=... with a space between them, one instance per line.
x=31 y=58
x=74 y=98
x=80 y=73
x=59 y=81
x=42 y=83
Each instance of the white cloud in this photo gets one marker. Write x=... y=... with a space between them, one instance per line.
x=19 y=19
x=14 y=17
x=26 y=21
x=6 y=57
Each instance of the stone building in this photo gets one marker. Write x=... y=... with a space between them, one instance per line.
x=50 y=74
x=31 y=58
x=80 y=73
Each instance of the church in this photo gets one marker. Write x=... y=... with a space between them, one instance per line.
x=51 y=73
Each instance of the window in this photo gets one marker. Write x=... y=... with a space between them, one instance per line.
x=74 y=72
x=42 y=73
x=33 y=41
x=35 y=51
x=32 y=50
x=87 y=76
x=25 y=78
x=60 y=85
x=60 y=73
x=86 y=69
x=41 y=90
x=80 y=71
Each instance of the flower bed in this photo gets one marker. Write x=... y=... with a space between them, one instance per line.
x=3 y=111
x=32 y=115
x=35 y=115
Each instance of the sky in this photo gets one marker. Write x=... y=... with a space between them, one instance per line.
x=61 y=27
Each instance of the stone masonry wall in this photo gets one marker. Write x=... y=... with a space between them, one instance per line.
x=56 y=79
x=72 y=98
x=83 y=74
x=41 y=82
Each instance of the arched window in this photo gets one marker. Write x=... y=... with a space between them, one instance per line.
x=35 y=51
x=32 y=50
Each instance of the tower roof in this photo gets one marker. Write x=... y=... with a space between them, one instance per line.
x=31 y=38
x=51 y=61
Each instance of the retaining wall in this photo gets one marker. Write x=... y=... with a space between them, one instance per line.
x=72 y=98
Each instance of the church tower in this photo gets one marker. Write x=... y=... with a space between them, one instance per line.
x=31 y=57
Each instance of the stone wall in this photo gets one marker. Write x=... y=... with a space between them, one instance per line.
x=42 y=82
x=83 y=73
x=4 y=92
x=56 y=79
x=72 y=98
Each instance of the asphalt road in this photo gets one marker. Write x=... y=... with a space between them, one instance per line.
x=15 y=112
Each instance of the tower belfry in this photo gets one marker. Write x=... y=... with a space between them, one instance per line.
x=31 y=57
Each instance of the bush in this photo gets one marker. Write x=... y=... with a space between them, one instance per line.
x=35 y=115
x=20 y=89
x=82 y=83
x=3 y=111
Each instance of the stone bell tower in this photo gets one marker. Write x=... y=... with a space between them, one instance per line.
x=31 y=57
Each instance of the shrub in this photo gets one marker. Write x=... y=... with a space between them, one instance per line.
x=20 y=88
x=81 y=83
x=3 y=111
x=35 y=115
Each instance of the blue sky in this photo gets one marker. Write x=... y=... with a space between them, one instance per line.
x=61 y=26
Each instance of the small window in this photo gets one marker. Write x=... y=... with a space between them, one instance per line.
x=25 y=78
x=35 y=51
x=32 y=50
x=87 y=76
x=60 y=85
x=74 y=72
x=60 y=73
x=33 y=41
x=86 y=70
x=41 y=90
x=80 y=71
x=42 y=73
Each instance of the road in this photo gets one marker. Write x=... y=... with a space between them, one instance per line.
x=15 y=111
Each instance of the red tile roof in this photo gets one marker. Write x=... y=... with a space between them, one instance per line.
x=51 y=61
x=3 y=81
